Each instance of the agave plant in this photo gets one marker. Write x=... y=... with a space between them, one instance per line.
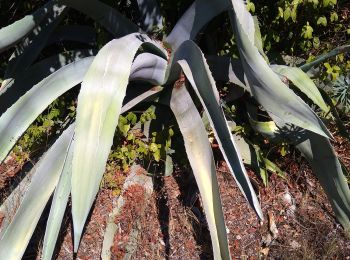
x=75 y=163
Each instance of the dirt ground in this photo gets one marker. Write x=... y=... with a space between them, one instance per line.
x=298 y=224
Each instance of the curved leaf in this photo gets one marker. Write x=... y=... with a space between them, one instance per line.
x=13 y=33
x=149 y=67
x=17 y=235
x=29 y=49
x=99 y=103
x=257 y=38
x=193 y=64
x=142 y=97
x=318 y=60
x=202 y=162
x=59 y=204
x=325 y=164
x=267 y=128
x=19 y=116
x=63 y=188
x=302 y=81
x=16 y=88
x=279 y=101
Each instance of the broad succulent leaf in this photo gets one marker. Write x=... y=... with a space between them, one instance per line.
x=19 y=116
x=268 y=129
x=192 y=62
x=302 y=81
x=63 y=188
x=202 y=162
x=265 y=128
x=14 y=89
x=99 y=103
x=13 y=33
x=257 y=38
x=149 y=67
x=103 y=92
x=142 y=97
x=59 y=204
x=245 y=150
x=279 y=101
x=47 y=173
x=61 y=193
x=31 y=46
x=325 y=164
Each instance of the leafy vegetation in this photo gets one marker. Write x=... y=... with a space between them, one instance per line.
x=225 y=88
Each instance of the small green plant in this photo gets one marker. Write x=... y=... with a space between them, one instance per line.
x=333 y=71
x=291 y=21
x=136 y=147
x=37 y=137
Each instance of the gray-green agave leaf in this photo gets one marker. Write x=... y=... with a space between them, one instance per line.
x=191 y=60
x=202 y=162
x=302 y=81
x=318 y=60
x=29 y=49
x=279 y=101
x=20 y=115
x=16 y=88
x=99 y=106
x=325 y=164
x=149 y=67
x=58 y=205
x=13 y=33
x=46 y=175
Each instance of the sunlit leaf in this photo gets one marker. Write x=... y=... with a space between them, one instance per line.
x=202 y=162
x=46 y=175
x=19 y=116
x=99 y=106
x=192 y=62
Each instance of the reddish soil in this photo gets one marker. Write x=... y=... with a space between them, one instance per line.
x=299 y=223
x=91 y=242
x=152 y=245
x=8 y=170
